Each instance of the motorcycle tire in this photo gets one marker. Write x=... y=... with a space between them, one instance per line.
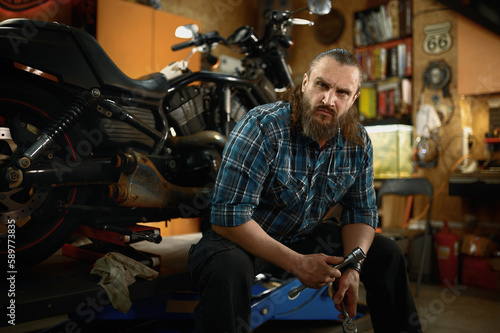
x=34 y=221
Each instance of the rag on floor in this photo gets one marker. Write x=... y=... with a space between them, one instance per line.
x=117 y=272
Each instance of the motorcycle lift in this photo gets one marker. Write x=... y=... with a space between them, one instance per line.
x=62 y=291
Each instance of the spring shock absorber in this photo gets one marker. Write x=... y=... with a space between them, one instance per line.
x=61 y=124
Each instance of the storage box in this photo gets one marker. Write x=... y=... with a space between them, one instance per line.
x=477 y=271
x=477 y=246
x=392 y=150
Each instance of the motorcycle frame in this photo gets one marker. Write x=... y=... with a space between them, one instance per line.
x=108 y=98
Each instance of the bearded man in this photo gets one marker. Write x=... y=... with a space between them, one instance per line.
x=284 y=167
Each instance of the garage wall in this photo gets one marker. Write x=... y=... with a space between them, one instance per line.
x=138 y=38
x=227 y=15
x=223 y=16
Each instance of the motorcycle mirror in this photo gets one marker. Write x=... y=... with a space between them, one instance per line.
x=187 y=31
x=319 y=7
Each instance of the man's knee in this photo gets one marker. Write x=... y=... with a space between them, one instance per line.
x=229 y=268
x=384 y=246
x=384 y=254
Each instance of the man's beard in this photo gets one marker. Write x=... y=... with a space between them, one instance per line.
x=317 y=126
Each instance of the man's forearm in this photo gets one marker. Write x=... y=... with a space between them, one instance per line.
x=354 y=235
x=314 y=270
x=253 y=239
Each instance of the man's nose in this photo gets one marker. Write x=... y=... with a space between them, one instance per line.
x=329 y=98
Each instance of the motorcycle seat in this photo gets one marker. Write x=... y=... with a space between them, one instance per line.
x=108 y=74
x=153 y=85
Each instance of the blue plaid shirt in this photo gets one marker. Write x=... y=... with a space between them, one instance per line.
x=283 y=181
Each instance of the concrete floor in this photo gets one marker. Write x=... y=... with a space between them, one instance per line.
x=442 y=309
x=460 y=309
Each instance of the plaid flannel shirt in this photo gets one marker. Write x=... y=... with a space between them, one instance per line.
x=283 y=181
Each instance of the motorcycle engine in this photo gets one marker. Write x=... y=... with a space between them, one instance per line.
x=185 y=111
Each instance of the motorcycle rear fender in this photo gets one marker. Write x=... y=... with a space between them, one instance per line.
x=51 y=48
x=73 y=56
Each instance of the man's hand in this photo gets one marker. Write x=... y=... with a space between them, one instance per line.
x=313 y=270
x=316 y=271
x=348 y=289
x=353 y=235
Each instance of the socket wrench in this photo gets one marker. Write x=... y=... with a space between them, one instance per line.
x=355 y=256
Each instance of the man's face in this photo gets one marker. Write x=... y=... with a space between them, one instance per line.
x=329 y=91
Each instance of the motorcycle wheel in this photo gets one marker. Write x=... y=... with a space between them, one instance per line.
x=31 y=218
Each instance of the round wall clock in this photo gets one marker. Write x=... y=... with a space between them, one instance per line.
x=328 y=28
x=437 y=75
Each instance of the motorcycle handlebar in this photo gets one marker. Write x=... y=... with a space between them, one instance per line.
x=183 y=45
x=279 y=16
x=208 y=39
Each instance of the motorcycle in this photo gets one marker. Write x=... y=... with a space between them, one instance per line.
x=81 y=143
x=263 y=56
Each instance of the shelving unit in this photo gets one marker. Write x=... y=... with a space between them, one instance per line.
x=384 y=47
x=492 y=140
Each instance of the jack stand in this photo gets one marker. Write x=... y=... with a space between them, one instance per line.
x=114 y=239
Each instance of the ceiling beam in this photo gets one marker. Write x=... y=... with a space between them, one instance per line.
x=483 y=12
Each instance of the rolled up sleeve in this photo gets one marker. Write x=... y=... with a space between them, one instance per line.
x=360 y=200
x=243 y=170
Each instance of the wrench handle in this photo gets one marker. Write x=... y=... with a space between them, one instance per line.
x=296 y=291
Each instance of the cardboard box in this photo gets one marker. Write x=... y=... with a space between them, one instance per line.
x=478 y=246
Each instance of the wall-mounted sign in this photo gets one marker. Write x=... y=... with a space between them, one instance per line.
x=437 y=38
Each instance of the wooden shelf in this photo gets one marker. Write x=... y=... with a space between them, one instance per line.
x=492 y=140
x=384 y=48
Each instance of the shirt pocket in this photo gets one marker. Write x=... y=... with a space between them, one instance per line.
x=337 y=186
x=288 y=191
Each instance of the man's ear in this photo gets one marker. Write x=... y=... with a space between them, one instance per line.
x=304 y=82
x=355 y=98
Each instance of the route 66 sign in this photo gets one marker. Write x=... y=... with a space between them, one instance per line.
x=437 y=38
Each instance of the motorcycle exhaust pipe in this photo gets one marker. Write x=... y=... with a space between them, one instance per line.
x=141 y=185
x=202 y=138
x=85 y=172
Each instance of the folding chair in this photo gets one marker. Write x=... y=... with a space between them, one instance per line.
x=406 y=187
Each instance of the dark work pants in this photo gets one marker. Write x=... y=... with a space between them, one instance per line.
x=224 y=273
